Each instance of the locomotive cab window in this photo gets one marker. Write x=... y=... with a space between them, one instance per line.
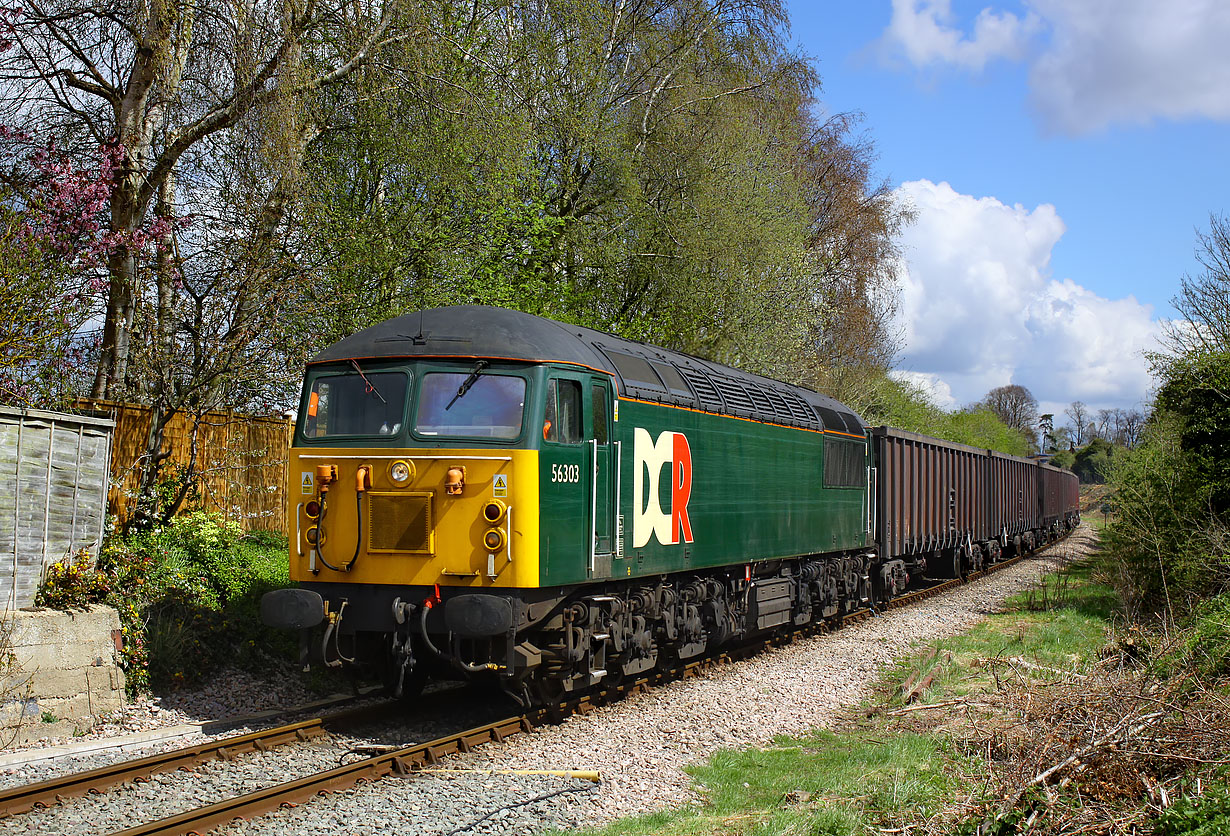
x=355 y=404
x=845 y=463
x=562 y=423
x=470 y=405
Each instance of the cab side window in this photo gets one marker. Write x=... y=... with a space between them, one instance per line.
x=598 y=403
x=563 y=416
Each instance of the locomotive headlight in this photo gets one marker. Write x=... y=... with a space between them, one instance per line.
x=314 y=536
x=493 y=540
x=312 y=509
x=493 y=511
x=401 y=472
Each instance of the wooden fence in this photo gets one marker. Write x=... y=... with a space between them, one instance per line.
x=240 y=461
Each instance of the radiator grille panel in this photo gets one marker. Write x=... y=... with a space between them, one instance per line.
x=399 y=522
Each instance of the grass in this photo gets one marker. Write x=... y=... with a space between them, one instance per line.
x=879 y=772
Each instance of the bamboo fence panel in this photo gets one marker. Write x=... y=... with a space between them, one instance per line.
x=241 y=461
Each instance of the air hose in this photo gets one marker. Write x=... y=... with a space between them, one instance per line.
x=465 y=666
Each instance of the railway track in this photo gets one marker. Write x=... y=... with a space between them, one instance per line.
x=388 y=761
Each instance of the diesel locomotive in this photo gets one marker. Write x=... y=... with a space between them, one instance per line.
x=479 y=492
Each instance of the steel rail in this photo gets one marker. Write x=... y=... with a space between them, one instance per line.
x=49 y=792
x=400 y=762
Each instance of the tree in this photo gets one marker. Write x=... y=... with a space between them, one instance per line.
x=1203 y=300
x=203 y=112
x=1104 y=428
x=1169 y=543
x=677 y=191
x=156 y=81
x=54 y=244
x=1046 y=423
x=1079 y=413
x=1015 y=406
x=1131 y=425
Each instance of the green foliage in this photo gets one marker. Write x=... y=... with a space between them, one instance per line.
x=1205 y=645
x=1166 y=549
x=656 y=174
x=1065 y=459
x=900 y=404
x=188 y=596
x=1092 y=463
x=1197 y=393
x=1204 y=815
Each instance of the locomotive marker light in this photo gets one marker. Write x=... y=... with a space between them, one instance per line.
x=493 y=539
x=493 y=511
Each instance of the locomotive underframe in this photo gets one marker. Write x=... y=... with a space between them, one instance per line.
x=542 y=642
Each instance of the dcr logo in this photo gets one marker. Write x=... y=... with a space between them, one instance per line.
x=671 y=448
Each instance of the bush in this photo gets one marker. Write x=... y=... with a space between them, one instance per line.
x=188 y=596
x=1092 y=463
x=1206 y=815
x=1167 y=547
x=1208 y=644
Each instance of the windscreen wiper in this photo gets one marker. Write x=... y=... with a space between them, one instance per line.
x=469 y=381
x=371 y=387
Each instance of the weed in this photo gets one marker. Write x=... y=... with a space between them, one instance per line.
x=1200 y=815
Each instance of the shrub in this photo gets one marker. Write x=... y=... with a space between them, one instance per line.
x=188 y=595
x=1208 y=644
x=1206 y=815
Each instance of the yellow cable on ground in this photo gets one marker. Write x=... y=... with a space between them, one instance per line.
x=584 y=774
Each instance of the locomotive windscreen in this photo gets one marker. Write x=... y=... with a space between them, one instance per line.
x=491 y=406
x=356 y=404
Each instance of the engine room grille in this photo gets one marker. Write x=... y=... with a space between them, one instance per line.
x=399 y=522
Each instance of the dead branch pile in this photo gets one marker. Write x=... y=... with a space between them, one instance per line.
x=1096 y=754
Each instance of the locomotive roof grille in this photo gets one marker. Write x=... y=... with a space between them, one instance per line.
x=736 y=397
x=472 y=332
x=709 y=396
x=761 y=400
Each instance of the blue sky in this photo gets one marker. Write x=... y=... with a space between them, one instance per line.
x=1061 y=156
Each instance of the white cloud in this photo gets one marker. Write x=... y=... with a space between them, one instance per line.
x=1114 y=61
x=931 y=384
x=979 y=308
x=1093 y=63
x=923 y=30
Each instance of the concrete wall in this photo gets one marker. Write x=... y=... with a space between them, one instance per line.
x=65 y=672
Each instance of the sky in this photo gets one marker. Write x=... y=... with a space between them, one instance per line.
x=1062 y=157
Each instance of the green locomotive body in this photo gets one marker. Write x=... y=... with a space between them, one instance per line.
x=488 y=493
